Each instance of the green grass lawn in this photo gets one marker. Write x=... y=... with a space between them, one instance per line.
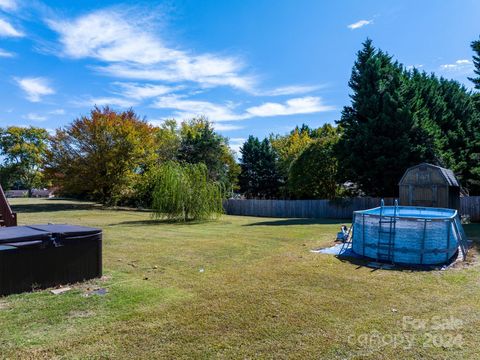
x=262 y=294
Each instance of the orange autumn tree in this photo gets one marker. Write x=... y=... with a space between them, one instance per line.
x=99 y=157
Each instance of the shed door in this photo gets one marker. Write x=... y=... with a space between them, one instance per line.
x=424 y=195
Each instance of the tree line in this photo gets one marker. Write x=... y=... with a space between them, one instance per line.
x=397 y=118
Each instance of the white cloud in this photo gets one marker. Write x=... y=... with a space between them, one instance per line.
x=458 y=64
x=133 y=49
x=291 y=90
x=7 y=30
x=178 y=72
x=110 y=36
x=156 y=122
x=57 y=112
x=305 y=105
x=236 y=143
x=226 y=127
x=6 y=54
x=186 y=108
x=143 y=91
x=35 y=117
x=459 y=67
x=104 y=101
x=411 y=67
x=8 y=5
x=359 y=24
x=35 y=87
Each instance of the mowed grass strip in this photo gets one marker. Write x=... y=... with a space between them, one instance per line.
x=240 y=287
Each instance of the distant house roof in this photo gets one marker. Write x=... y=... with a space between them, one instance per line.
x=446 y=173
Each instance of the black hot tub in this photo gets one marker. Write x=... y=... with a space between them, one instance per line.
x=41 y=256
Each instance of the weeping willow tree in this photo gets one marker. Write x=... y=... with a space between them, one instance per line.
x=183 y=192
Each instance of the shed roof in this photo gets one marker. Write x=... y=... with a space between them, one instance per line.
x=446 y=173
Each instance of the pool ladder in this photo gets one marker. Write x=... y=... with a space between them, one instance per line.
x=386 y=233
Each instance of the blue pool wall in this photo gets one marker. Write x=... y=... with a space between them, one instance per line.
x=424 y=236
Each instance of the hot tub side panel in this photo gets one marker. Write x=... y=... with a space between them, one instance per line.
x=62 y=260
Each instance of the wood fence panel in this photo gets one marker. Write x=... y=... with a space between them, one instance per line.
x=336 y=209
x=470 y=205
x=340 y=209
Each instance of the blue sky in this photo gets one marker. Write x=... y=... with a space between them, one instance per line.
x=252 y=66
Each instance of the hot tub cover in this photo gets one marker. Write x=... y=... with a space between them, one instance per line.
x=65 y=230
x=17 y=234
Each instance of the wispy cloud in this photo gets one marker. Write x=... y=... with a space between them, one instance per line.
x=8 y=5
x=227 y=127
x=143 y=91
x=359 y=24
x=290 y=90
x=35 y=87
x=6 y=54
x=459 y=67
x=35 y=117
x=186 y=108
x=57 y=112
x=156 y=122
x=206 y=76
x=304 y=105
x=236 y=143
x=104 y=101
x=7 y=30
x=135 y=50
x=411 y=67
x=457 y=64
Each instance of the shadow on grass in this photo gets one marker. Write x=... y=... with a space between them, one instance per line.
x=50 y=207
x=473 y=234
x=302 y=221
x=153 y=222
x=373 y=265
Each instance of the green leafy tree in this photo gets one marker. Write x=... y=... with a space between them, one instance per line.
x=168 y=140
x=23 y=150
x=184 y=192
x=288 y=147
x=201 y=144
x=313 y=174
x=259 y=177
x=100 y=156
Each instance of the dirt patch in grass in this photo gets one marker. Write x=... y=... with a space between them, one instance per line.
x=81 y=314
x=4 y=305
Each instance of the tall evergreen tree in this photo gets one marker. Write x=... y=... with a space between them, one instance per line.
x=259 y=175
x=475 y=45
x=376 y=146
x=474 y=127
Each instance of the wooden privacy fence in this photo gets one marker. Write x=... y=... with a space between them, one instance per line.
x=333 y=209
x=470 y=205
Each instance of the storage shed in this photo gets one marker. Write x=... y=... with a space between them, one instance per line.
x=429 y=185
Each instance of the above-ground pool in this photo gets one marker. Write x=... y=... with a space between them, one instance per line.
x=408 y=234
